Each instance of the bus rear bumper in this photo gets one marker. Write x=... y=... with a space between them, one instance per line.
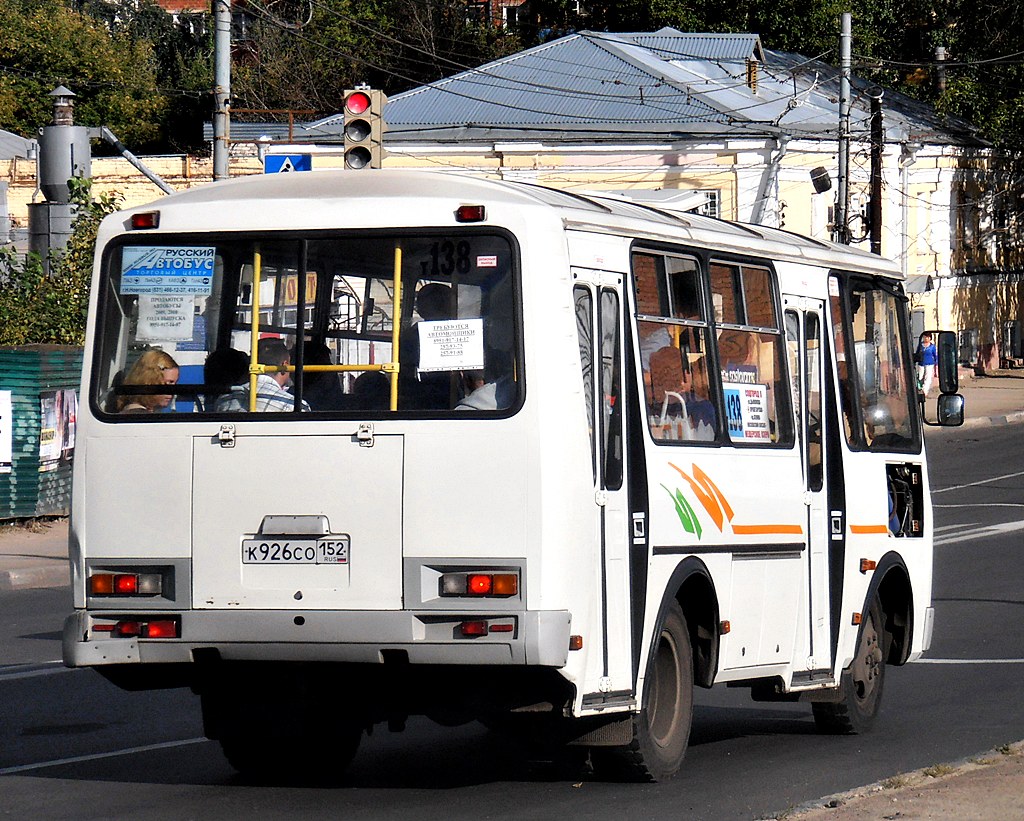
x=534 y=638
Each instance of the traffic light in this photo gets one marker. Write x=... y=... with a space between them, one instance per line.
x=364 y=128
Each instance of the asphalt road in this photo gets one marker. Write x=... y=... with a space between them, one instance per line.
x=73 y=746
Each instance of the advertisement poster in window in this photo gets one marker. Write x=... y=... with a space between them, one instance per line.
x=6 y=433
x=746 y=410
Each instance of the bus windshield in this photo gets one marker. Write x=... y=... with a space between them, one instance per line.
x=330 y=324
x=872 y=355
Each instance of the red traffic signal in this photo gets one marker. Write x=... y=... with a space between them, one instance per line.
x=363 y=129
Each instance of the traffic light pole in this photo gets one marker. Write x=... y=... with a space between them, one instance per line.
x=842 y=215
x=221 y=87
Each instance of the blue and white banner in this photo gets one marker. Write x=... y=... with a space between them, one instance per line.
x=167 y=270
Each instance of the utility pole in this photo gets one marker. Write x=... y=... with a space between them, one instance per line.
x=221 y=87
x=842 y=210
x=877 y=147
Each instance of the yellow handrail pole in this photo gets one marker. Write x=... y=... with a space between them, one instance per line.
x=396 y=321
x=254 y=332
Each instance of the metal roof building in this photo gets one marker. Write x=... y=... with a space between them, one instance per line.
x=598 y=87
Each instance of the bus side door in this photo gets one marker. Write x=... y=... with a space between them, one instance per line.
x=599 y=312
x=808 y=366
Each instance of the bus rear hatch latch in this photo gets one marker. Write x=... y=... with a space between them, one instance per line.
x=364 y=435
x=226 y=437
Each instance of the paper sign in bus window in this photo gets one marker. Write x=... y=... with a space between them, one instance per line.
x=746 y=411
x=167 y=270
x=451 y=345
x=165 y=317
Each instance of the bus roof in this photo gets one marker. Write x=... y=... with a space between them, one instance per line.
x=337 y=198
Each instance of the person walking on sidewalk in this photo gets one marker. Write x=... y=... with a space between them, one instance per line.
x=926 y=359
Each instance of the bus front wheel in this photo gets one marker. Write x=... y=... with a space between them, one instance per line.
x=661 y=729
x=860 y=688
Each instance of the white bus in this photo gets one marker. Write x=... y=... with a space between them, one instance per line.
x=545 y=460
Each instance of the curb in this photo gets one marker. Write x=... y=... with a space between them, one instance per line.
x=992 y=421
x=925 y=775
x=41 y=576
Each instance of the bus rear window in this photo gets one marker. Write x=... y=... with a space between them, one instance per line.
x=320 y=325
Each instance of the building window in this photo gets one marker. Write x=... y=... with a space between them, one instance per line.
x=712 y=207
x=969 y=341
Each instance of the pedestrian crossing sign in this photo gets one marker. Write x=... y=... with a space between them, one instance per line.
x=283 y=163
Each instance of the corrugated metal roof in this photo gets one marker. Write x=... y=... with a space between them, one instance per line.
x=670 y=44
x=11 y=146
x=581 y=79
x=598 y=87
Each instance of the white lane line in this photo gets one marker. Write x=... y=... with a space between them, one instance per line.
x=42 y=765
x=46 y=668
x=985 y=504
x=980 y=482
x=971 y=534
x=969 y=661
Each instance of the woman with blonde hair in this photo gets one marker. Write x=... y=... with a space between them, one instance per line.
x=154 y=367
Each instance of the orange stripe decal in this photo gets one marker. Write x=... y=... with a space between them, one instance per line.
x=859 y=529
x=705 y=480
x=705 y=497
x=767 y=530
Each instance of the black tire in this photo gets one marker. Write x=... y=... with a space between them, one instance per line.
x=860 y=688
x=293 y=758
x=661 y=730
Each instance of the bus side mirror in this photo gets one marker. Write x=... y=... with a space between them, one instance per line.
x=949 y=410
x=948 y=361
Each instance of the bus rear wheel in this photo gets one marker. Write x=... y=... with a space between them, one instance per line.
x=860 y=688
x=661 y=730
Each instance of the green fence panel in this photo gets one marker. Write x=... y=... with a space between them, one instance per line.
x=43 y=383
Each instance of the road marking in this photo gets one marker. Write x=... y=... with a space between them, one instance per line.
x=971 y=534
x=986 y=504
x=42 y=765
x=980 y=482
x=968 y=661
x=46 y=668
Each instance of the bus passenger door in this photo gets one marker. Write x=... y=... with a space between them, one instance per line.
x=808 y=366
x=598 y=301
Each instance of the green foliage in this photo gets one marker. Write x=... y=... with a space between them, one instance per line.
x=51 y=308
x=45 y=44
x=389 y=44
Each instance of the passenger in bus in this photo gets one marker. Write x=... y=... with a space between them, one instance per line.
x=322 y=389
x=271 y=395
x=154 y=367
x=425 y=391
x=371 y=391
x=225 y=372
x=481 y=394
x=678 y=402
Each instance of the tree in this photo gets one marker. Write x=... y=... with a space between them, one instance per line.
x=51 y=308
x=45 y=44
x=183 y=53
x=287 y=60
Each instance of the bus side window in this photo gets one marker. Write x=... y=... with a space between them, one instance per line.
x=751 y=352
x=673 y=331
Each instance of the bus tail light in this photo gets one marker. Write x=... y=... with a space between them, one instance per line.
x=478 y=585
x=482 y=627
x=146 y=219
x=473 y=628
x=125 y=584
x=141 y=627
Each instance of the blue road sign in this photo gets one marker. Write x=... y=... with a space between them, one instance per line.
x=282 y=163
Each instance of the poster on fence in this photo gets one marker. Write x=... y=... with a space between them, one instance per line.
x=6 y=433
x=58 y=412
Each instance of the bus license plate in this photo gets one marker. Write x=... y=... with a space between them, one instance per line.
x=332 y=550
